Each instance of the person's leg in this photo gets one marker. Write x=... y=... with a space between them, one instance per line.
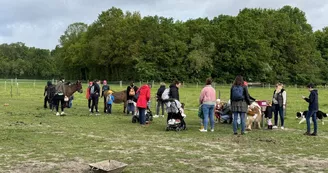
x=276 y=107
x=93 y=99
x=105 y=105
x=281 y=114
x=110 y=108
x=205 y=109
x=211 y=114
x=56 y=103
x=142 y=116
x=235 y=117
x=96 y=103
x=314 y=119
x=157 y=107
x=308 y=126
x=89 y=104
x=162 y=104
x=45 y=102
x=62 y=104
x=242 y=118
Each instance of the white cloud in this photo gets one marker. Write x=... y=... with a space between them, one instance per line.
x=40 y=23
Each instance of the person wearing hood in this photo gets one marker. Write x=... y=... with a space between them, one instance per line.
x=143 y=98
x=174 y=90
x=312 y=110
x=46 y=99
x=279 y=104
x=159 y=99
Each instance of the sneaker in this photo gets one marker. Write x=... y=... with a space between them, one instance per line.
x=313 y=134
x=203 y=130
x=274 y=127
x=156 y=116
x=282 y=127
x=62 y=113
x=90 y=110
x=57 y=114
x=97 y=113
x=235 y=133
x=162 y=116
x=307 y=134
x=243 y=133
x=212 y=130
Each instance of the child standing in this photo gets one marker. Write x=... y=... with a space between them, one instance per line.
x=268 y=114
x=109 y=101
x=312 y=110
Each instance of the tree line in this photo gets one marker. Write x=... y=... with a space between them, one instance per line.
x=263 y=45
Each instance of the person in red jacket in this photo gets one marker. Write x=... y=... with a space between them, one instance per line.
x=144 y=97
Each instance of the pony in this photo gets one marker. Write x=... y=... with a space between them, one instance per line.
x=120 y=97
x=70 y=89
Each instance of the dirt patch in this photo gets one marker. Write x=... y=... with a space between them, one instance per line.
x=75 y=166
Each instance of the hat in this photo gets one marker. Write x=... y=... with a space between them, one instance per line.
x=105 y=82
x=110 y=92
x=90 y=83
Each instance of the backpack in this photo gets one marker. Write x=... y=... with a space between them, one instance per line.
x=237 y=93
x=92 y=89
x=132 y=92
x=165 y=94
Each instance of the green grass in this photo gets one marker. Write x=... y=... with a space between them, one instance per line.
x=34 y=139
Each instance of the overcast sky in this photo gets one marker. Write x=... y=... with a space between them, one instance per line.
x=40 y=23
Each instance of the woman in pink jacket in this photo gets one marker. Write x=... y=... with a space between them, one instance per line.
x=207 y=100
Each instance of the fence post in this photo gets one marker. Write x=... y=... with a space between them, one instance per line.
x=197 y=85
x=121 y=84
x=17 y=88
x=53 y=81
x=139 y=83
x=11 y=90
x=5 y=85
x=269 y=85
x=152 y=85
x=34 y=84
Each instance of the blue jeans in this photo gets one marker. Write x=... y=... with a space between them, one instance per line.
x=142 y=116
x=242 y=119
x=279 y=109
x=208 y=111
x=130 y=108
x=314 y=119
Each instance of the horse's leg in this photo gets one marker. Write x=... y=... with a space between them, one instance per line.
x=124 y=106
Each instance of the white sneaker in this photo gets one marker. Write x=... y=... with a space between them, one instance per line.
x=89 y=110
x=162 y=116
x=57 y=114
x=203 y=130
x=97 y=113
x=274 y=127
x=62 y=113
x=212 y=130
x=282 y=127
x=156 y=116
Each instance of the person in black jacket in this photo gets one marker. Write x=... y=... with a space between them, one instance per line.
x=46 y=98
x=104 y=89
x=160 y=102
x=94 y=94
x=174 y=90
x=130 y=92
x=312 y=110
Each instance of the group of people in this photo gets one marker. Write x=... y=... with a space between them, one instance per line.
x=239 y=102
x=53 y=94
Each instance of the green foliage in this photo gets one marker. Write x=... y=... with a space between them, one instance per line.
x=263 y=45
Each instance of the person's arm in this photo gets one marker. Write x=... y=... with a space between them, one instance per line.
x=308 y=99
x=148 y=95
x=248 y=101
x=113 y=98
x=231 y=93
x=284 y=97
x=102 y=91
x=201 y=97
x=45 y=90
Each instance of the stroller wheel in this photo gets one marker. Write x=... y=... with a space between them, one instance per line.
x=134 y=119
x=167 y=129
x=177 y=129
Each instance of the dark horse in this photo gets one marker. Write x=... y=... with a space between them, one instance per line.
x=119 y=97
x=70 y=89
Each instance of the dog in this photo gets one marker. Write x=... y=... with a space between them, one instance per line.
x=254 y=114
x=320 y=116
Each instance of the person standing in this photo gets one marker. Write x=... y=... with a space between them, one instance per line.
x=94 y=94
x=312 y=110
x=59 y=96
x=240 y=100
x=144 y=97
x=207 y=100
x=45 y=94
x=279 y=104
x=88 y=95
x=104 y=89
x=109 y=101
x=174 y=90
x=130 y=92
x=159 y=100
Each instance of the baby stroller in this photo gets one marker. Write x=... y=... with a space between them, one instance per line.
x=175 y=120
x=149 y=116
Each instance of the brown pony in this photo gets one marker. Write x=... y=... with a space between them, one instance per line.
x=70 y=89
x=119 y=97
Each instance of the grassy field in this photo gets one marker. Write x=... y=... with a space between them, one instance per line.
x=33 y=139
